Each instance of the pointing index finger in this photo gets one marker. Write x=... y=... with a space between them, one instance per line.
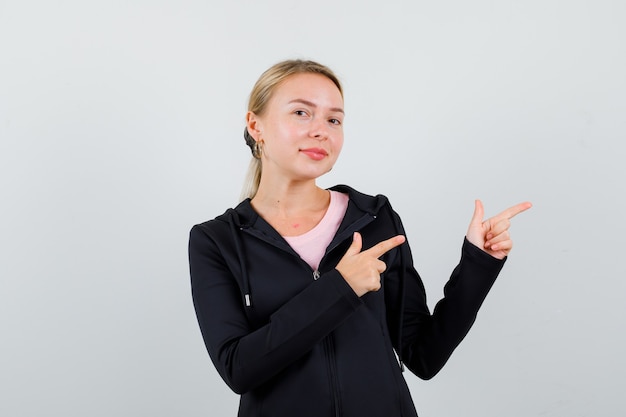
x=514 y=211
x=385 y=246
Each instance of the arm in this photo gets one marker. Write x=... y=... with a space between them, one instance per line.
x=244 y=356
x=429 y=340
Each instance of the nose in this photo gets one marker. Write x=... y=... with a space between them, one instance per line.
x=319 y=130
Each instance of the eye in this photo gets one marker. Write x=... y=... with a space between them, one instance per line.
x=300 y=112
x=335 y=121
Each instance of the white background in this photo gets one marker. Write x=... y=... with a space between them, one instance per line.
x=121 y=127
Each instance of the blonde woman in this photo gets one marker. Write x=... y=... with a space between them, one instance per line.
x=304 y=294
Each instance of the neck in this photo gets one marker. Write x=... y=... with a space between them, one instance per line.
x=290 y=197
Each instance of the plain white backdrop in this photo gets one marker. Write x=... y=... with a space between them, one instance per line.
x=121 y=126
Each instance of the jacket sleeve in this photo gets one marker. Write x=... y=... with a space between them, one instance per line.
x=244 y=356
x=428 y=340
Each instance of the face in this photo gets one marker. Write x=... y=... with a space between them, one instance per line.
x=301 y=129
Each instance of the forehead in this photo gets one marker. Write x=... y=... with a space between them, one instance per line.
x=309 y=86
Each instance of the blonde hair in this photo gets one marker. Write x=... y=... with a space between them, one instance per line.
x=257 y=103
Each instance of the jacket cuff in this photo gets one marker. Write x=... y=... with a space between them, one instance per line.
x=480 y=257
x=343 y=288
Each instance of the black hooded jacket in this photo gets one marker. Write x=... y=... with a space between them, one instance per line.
x=297 y=342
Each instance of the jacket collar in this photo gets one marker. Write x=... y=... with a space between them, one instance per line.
x=366 y=203
x=359 y=204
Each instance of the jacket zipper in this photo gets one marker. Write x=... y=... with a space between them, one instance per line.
x=336 y=242
x=329 y=347
x=357 y=225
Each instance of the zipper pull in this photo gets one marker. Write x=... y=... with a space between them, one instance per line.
x=316 y=274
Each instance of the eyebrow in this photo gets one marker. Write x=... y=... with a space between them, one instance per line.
x=311 y=104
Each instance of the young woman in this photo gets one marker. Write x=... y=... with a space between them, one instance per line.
x=303 y=294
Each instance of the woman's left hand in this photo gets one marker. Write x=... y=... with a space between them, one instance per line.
x=492 y=235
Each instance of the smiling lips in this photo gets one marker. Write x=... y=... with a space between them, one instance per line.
x=316 y=154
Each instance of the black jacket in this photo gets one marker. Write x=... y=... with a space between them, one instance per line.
x=296 y=342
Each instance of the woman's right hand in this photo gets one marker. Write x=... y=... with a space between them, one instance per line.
x=362 y=269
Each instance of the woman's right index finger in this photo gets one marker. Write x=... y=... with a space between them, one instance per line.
x=385 y=246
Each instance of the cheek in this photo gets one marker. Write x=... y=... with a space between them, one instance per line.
x=288 y=131
x=339 y=144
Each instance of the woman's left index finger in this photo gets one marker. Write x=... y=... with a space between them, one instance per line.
x=514 y=211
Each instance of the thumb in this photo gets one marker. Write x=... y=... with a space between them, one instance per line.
x=479 y=213
x=357 y=244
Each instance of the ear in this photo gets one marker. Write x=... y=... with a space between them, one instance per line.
x=253 y=124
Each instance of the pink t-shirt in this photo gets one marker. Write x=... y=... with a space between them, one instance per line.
x=312 y=245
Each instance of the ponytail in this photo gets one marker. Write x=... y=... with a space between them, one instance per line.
x=252 y=180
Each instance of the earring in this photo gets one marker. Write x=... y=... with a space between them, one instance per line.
x=256 y=150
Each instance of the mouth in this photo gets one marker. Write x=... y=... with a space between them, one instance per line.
x=316 y=154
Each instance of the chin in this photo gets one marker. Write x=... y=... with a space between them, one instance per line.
x=311 y=175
